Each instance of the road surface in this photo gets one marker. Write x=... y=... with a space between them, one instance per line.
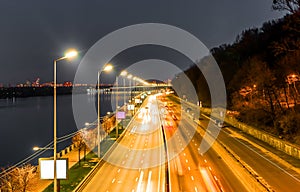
x=137 y=163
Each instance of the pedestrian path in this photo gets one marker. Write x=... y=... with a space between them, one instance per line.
x=73 y=159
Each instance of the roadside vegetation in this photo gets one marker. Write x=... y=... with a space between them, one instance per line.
x=261 y=70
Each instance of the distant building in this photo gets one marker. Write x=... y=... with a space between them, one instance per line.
x=68 y=84
x=36 y=83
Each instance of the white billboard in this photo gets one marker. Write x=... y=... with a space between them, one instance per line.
x=130 y=107
x=46 y=166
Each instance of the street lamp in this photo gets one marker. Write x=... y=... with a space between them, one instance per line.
x=69 y=54
x=107 y=67
x=36 y=148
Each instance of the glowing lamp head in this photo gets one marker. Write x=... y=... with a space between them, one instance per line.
x=123 y=73
x=108 y=67
x=35 y=148
x=71 y=53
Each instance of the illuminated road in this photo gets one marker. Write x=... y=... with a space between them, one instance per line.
x=277 y=176
x=190 y=171
x=135 y=164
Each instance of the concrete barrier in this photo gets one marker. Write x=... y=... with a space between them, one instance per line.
x=284 y=146
x=66 y=150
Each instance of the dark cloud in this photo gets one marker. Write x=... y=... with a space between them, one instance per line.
x=33 y=32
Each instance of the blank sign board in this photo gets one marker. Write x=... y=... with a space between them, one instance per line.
x=130 y=107
x=46 y=166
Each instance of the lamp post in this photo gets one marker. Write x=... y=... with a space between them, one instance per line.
x=129 y=77
x=117 y=79
x=107 y=67
x=70 y=54
x=124 y=74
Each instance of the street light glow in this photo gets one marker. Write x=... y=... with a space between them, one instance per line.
x=71 y=53
x=129 y=76
x=108 y=67
x=35 y=148
x=123 y=73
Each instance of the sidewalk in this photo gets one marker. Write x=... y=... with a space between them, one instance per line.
x=73 y=159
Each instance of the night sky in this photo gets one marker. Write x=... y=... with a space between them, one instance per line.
x=34 y=33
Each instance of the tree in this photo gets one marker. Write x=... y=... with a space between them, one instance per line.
x=19 y=179
x=291 y=6
x=79 y=141
x=290 y=123
x=289 y=41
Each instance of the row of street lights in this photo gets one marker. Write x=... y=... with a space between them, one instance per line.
x=106 y=68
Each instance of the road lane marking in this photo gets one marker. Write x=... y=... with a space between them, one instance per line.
x=192 y=177
x=265 y=158
x=139 y=186
x=149 y=186
x=119 y=170
x=186 y=161
x=113 y=180
x=189 y=168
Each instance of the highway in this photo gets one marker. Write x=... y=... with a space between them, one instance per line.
x=190 y=170
x=277 y=176
x=137 y=162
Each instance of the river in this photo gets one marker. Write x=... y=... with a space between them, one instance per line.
x=28 y=122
